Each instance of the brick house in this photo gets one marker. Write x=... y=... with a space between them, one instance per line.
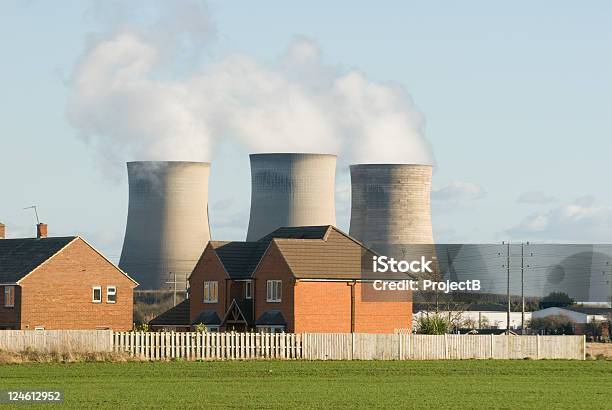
x=61 y=283
x=304 y=279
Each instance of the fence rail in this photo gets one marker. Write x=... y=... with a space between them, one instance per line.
x=308 y=346
x=47 y=341
x=209 y=345
x=346 y=346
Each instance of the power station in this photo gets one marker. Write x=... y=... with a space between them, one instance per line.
x=167 y=225
x=291 y=189
x=390 y=206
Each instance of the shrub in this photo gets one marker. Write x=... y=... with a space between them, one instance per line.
x=432 y=325
x=553 y=325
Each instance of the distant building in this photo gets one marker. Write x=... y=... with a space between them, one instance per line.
x=579 y=314
x=480 y=316
x=61 y=283
x=582 y=316
x=299 y=279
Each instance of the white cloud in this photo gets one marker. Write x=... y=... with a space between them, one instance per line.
x=136 y=93
x=582 y=220
x=535 y=198
x=458 y=191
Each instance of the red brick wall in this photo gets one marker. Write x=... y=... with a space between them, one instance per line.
x=9 y=316
x=322 y=307
x=381 y=316
x=274 y=267
x=58 y=295
x=325 y=306
x=208 y=268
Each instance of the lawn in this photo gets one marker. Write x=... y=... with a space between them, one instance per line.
x=433 y=384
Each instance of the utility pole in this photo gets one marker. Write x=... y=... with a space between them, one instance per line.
x=174 y=282
x=508 y=287
x=609 y=281
x=523 y=288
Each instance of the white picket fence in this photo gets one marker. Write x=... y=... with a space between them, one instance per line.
x=209 y=345
x=345 y=346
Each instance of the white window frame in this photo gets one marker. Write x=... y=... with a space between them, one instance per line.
x=207 y=296
x=114 y=293
x=274 y=291
x=248 y=289
x=9 y=290
x=93 y=294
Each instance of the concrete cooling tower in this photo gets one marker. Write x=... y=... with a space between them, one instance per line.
x=291 y=189
x=390 y=206
x=167 y=224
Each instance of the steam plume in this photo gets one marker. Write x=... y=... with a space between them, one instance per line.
x=144 y=91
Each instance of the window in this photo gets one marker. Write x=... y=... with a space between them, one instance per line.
x=111 y=294
x=9 y=296
x=211 y=291
x=248 y=289
x=97 y=294
x=274 y=291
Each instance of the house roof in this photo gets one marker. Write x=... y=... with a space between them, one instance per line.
x=18 y=257
x=299 y=232
x=271 y=318
x=207 y=317
x=241 y=258
x=175 y=316
x=312 y=252
x=337 y=256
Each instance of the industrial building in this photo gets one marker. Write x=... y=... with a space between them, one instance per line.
x=291 y=189
x=167 y=224
x=390 y=209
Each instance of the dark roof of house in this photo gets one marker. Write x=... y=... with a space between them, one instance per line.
x=18 y=257
x=207 y=317
x=298 y=232
x=588 y=310
x=241 y=258
x=175 y=316
x=271 y=318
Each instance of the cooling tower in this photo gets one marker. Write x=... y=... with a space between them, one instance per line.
x=167 y=225
x=390 y=206
x=291 y=189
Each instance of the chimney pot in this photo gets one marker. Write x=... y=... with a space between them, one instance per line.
x=41 y=230
x=2 y=231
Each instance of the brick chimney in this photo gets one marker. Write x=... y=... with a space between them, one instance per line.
x=2 y=231
x=41 y=230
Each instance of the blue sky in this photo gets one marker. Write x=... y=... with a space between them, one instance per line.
x=516 y=98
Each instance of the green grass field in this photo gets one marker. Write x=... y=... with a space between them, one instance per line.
x=433 y=384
